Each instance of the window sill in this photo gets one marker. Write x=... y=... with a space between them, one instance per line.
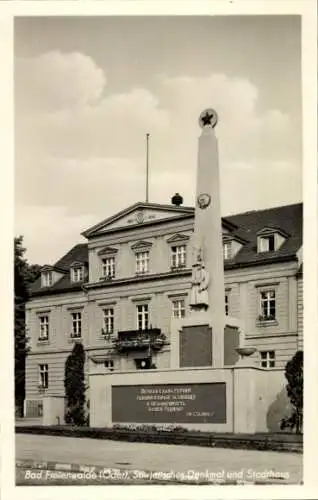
x=42 y=342
x=269 y=322
x=74 y=339
x=108 y=338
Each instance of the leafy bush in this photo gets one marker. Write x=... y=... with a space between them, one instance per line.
x=294 y=376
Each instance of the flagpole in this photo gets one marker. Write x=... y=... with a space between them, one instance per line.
x=147 y=167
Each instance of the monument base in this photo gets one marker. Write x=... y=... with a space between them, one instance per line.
x=233 y=399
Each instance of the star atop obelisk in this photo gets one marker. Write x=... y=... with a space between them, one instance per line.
x=208 y=118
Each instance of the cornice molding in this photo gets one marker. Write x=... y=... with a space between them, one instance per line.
x=140 y=245
x=107 y=251
x=178 y=238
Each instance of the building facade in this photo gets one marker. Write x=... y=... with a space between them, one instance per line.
x=118 y=292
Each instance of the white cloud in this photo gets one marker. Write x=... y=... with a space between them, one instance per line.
x=82 y=186
x=85 y=150
x=57 y=81
x=49 y=232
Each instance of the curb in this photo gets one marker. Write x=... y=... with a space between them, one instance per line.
x=130 y=476
x=56 y=466
x=243 y=442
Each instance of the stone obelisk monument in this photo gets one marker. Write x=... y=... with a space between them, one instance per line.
x=207 y=238
x=206 y=337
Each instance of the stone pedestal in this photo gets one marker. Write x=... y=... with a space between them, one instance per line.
x=194 y=343
x=53 y=410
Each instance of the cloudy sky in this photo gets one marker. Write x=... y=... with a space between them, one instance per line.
x=87 y=90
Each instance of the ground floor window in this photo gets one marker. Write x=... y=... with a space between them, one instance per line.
x=144 y=363
x=109 y=364
x=267 y=359
x=33 y=408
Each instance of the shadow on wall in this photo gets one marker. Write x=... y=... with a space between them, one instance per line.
x=279 y=409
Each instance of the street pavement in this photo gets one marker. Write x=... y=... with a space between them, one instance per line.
x=254 y=464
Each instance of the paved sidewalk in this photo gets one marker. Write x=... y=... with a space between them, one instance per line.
x=256 y=465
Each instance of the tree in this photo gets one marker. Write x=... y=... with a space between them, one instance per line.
x=294 y=376
x=74 y=383
x=24 y=275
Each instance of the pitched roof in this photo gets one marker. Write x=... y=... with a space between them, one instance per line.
x=77 y=253
x=288 y=218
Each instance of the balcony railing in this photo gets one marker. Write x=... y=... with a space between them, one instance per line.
x=109 y=337
x=140 y=339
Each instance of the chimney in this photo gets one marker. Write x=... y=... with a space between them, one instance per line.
x=177 y=200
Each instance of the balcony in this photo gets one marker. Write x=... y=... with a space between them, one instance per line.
x=152 y=338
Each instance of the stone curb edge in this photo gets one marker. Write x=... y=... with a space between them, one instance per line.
x=93 y=469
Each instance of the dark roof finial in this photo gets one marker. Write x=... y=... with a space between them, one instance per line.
x=177 y=200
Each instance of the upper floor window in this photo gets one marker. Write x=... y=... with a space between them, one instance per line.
x=267 y=243
x=76 y=325
x=108 y=267
x=108 y=320
x=77 y=274
x=142 y=262
x=227 y=304
x=47 y=278
x=178 y=256
x=227 y=250
x=43 y=376
x=142 y=316
x=267 y=305
x=44 y=327
x=270 y=239
x=267 y=359
x=178 y=308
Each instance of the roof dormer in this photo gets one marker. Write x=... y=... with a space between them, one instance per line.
x=78 y=270
x=50 y=275
x=270 y=239
x=232 y=244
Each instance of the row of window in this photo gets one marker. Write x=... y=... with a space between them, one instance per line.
x=267 y=313
x=178 y=260
x=267 y=360
x=266 y=243
x=178 y=311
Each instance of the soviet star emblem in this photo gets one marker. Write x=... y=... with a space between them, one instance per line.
x=208 y=118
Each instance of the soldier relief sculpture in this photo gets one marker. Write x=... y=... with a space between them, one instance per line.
x=199 y=284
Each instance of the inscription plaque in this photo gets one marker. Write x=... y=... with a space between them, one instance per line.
x=196 y=346
x=169 y=403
